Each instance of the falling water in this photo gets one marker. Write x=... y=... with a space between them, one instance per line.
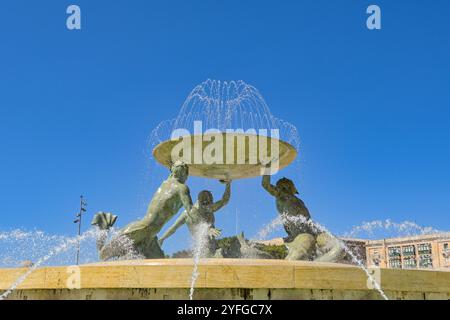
x=223 y=105
x=389 y=229
x=119 y=243
x=54 y=246
x=18 y=234
x=319 y=228
x=268 y=229
x=66 y=245
x=200 y=245
x=365 y=230
x=20 y=246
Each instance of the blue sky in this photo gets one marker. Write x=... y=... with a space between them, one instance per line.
x=371 y=107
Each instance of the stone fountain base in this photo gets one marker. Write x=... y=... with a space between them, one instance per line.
x=223 y=279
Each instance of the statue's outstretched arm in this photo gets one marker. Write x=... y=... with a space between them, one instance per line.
x=225 y=198
x=178 y=223
x=186 y=200
x=269 y=187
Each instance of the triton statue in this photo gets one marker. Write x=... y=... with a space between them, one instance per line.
x=202 y=212
x=171 y=196
x=304 y=242
x=289 y=206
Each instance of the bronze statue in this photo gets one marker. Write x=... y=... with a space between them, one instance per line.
x=289 y=206
x=301 y=248
x=304 y=242
x=202 y=212
x=329 y=249
x=166 y=202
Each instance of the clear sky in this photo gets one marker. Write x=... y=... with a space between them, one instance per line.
x=371 y=107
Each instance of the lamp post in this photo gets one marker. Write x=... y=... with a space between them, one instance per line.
x=78 y=220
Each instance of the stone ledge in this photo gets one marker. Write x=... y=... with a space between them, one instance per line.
x=292 y=278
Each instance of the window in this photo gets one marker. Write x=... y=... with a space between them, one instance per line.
x=409 y=250
x=409 y=263
x=395 y=263
x=395 y=257
x=426 y=261
x=424 y=248
x=394 y=252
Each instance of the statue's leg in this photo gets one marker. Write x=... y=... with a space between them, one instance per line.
x=330 y=247
x=294 y=227
x=301 y=248
x=290 y=229
x=103 y=253
x=106 y=253
x=120 y=246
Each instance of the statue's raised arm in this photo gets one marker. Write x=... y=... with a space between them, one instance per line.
x=225 y=198
x=273 y=190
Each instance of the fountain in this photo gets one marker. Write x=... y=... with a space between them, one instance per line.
x=225 y=132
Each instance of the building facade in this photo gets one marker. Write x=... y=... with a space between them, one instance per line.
x=419 y=252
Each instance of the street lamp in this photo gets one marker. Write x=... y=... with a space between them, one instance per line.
x=79 y=216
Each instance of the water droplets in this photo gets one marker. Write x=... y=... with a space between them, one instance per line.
x=388 y=228
x=200 y=250
x=223 y=105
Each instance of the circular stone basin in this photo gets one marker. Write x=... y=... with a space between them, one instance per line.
x=225 y=156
